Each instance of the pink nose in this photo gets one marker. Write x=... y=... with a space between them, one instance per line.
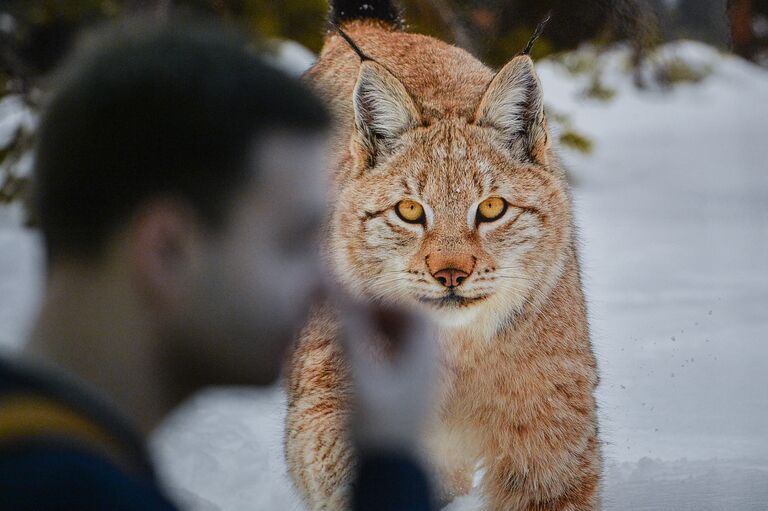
x=450 y=277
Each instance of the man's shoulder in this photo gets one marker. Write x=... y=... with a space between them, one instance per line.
x=62 y=449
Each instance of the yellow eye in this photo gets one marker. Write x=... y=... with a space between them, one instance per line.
x=410 y=211
x=491 y=209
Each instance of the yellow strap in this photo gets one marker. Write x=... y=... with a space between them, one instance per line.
x=25 y=417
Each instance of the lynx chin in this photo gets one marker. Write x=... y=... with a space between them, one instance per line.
x=449 y=197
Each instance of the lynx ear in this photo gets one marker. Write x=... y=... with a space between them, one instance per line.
x=514 y=104
x=383 y=109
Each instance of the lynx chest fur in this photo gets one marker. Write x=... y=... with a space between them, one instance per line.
x=448 y=197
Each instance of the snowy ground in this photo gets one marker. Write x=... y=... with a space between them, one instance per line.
x=673 y=213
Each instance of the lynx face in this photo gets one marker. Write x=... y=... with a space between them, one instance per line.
x=460 y=217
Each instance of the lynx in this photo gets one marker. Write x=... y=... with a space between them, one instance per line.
x=449 y=197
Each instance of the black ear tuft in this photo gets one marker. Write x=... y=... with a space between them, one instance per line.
x=351 y=43
x=536 y=34
x=381 y=10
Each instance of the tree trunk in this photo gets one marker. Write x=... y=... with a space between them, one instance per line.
x=740 y=13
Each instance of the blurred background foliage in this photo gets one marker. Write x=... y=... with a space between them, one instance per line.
x=35 y=34
x=39 y=31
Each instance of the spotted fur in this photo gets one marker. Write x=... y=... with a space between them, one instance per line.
x=518 y=368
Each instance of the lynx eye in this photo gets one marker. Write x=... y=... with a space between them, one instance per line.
x=410 y=211
x=491 y=209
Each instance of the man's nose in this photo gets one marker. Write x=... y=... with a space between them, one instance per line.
x=450 y=277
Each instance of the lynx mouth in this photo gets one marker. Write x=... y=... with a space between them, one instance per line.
x=452 y=300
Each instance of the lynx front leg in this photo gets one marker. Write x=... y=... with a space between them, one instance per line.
x=558 y=481
x=318 y=452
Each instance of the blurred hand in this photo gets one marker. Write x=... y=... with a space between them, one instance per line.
x=393 y=359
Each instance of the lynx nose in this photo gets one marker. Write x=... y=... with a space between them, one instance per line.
x=450 y=277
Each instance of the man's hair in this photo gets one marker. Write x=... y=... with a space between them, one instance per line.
x=163 y=112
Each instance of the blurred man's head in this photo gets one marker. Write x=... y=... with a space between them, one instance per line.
x=179 y=154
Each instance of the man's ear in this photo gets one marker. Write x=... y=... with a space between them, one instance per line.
x=514 y=104
x=383 y=110
x=165 y=248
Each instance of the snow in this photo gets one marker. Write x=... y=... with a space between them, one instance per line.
x=292 y=57
x=672 y=208
x=12 y=115
x=20 y=268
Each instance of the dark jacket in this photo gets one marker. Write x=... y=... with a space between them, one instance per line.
x=62 y=448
